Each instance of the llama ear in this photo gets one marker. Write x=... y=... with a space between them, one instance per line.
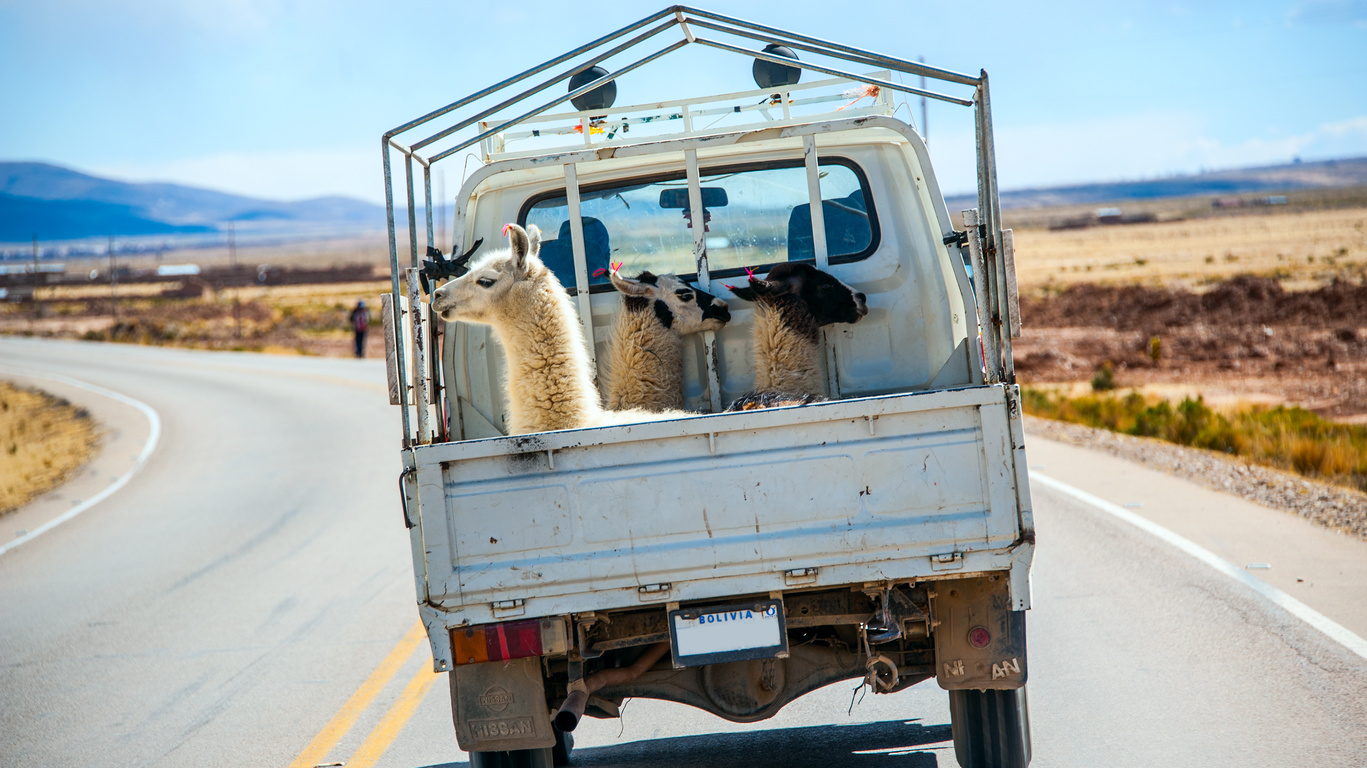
x=630 y=287
x=534 y=236
x=521 y=245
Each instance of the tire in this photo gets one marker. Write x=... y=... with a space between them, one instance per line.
x=991 y=728
x=564 y=744
x=517 y=758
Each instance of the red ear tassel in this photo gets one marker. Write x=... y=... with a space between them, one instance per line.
x=600 y=272
x=751 y=274
x=505 y=229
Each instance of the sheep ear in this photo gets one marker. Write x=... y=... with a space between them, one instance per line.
x=744 y=292
x=521 y=245
x=628 y=286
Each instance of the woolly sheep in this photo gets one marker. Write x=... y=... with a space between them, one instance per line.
x=645 y=359
x=792 y=303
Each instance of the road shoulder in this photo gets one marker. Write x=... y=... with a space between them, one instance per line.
x=1322 y=568
x=125 y=432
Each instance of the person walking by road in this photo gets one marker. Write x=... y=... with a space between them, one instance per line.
x=360 y=323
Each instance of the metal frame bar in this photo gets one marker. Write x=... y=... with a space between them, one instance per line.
x=581 y=268
x=994 y=300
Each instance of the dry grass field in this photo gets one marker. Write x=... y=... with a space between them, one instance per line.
x=1301 y=249
x=43 y=440
x=288 y=319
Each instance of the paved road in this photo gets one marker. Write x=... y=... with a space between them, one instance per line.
x=246 y=600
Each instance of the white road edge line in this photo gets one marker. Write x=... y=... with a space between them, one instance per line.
x=1335 y=631
x=154 y=434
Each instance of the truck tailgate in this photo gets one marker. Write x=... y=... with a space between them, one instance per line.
x=857 y=490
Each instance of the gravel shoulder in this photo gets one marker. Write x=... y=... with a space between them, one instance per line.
x=1330 y=506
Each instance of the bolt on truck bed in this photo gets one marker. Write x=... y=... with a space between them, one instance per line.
x=731 y=561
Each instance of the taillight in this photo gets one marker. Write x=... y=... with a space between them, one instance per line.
x=509 y=640
x=979 y=637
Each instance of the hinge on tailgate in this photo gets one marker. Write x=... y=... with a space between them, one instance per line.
x=952 y=561
x=506 y=608
x=654 y=591
x=799 y=576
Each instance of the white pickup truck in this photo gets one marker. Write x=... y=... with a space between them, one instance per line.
x=728 y=561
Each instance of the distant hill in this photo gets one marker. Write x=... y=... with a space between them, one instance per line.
x=1274 y=178
x=57 y=203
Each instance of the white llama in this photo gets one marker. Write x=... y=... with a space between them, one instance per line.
x=549 y=381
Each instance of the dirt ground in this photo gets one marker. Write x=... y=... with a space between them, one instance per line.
x=1247 y=340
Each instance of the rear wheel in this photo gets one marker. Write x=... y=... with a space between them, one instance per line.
x=564 y=743
x=517 y=758
x=991 y=728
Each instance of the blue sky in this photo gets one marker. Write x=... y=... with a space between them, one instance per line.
x=287 y=100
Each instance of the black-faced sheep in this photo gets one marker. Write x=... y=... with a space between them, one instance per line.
x=792 y=303
x=645 y=361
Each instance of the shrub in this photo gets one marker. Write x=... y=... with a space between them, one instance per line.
x=1282 y=437
x=1104 y=378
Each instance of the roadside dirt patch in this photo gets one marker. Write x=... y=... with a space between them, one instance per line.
x=43 y=441
x=1246 y=336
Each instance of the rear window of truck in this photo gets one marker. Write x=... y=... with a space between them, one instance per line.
x=756 y=216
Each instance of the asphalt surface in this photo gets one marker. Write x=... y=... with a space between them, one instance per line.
x=247 y=600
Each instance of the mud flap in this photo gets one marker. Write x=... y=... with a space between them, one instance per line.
x=979 y=640
x=500 y=706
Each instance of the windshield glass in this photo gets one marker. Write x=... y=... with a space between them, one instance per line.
x=754 y=217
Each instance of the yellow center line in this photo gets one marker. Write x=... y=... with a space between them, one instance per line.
x=394 y=720
x=346 y=717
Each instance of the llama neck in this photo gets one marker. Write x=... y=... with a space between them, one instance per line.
x=787 y=349
x=646 y=364
x=550 y=385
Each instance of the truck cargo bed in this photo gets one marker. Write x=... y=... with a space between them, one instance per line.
x=870 y=489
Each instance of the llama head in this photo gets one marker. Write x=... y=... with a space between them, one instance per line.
x=678 y=306
x=476 y=295
x=826 y=299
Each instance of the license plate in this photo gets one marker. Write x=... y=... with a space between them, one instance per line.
x=729 y=633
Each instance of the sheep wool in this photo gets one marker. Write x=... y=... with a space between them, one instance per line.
x=645 y=366
x=787 y=348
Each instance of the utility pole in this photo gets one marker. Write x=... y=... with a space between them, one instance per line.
x=925 y=122
x=37 y=308
x=113 y=282
x=232 y=269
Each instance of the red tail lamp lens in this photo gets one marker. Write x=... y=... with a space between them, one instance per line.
x=496 y=642
x=979 y=637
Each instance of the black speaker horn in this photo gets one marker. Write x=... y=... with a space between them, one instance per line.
x=771 y=75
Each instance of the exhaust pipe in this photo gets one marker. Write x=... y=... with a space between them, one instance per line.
x=572 y=711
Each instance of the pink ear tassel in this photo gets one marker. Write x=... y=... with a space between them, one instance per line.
x=750 y=273
x=505 y=229
x=600 y=272
x=617 y=268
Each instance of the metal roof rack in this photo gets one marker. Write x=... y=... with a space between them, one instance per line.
x=495 y=134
